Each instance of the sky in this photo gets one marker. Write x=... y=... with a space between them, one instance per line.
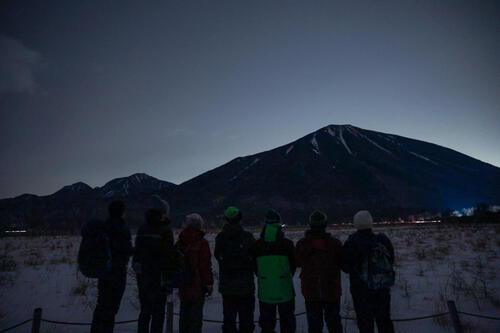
x=94 y=90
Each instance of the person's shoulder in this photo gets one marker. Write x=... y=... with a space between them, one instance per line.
x=383 y=237
x=352 y=238
x=334 y=240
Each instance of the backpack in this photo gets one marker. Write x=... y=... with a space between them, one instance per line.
x=94 y=254
x=181 y=277
x=234 y=256
x=376 y=268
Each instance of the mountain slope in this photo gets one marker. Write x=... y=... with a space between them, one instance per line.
x=338 y=169
x=344 y=168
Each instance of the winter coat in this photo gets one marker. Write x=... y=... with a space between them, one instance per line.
x=356 y=248
x=120 y=243
x=275 y=258
x=154 y=248
x=197 y=251
x=319 y=255
x=236 y=265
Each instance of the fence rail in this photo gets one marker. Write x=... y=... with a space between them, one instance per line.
x=37 y=319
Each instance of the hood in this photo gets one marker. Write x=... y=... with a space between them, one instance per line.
x=272 y=232
x=191 y=235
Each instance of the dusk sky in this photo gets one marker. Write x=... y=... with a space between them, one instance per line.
x=94 y=90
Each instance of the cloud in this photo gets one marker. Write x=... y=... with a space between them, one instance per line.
x=17 y=66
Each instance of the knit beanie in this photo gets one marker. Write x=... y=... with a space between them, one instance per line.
x=363 y=220
x=272 y=217
x=232 y=214
x=194 y=220
x=318 y=219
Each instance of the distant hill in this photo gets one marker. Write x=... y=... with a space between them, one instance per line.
x=338 y=169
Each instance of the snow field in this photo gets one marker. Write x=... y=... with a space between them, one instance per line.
x=434 y=263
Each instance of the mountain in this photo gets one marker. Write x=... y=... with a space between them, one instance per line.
x=338 y=169
x=74 y=204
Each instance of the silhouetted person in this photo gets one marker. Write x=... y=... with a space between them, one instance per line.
x=275 y=259
x=197 y=252
x=155 y=257
x=368 y=259
x=111 y=284
x=319 y=256
x=236 y=273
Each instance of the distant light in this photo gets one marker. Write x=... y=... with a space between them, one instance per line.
x=15 y=231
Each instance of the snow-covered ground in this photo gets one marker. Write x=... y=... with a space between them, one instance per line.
x=433 y=263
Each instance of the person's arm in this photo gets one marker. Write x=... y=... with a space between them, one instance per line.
x=346 y=261
x=338 y=253
x=291 y=257
x=301 y=253
x=387 y=242
x=217 y=250
x=206 y=274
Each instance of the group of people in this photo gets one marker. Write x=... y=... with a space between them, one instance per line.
x=161 y=264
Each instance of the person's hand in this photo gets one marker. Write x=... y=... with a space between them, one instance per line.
x=210 y=290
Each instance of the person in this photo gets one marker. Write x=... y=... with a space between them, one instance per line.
x=197 y=252
x=111 y=284
x=236 y=273
x=368 y=258
x=319 y=255
x=154 y=257
x=275 y=266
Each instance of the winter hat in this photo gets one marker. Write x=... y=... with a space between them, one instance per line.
x=232 y=214
x=318 y=219
x=272 y=217
x=363 y=220
x=194 y=220
x=116 y=208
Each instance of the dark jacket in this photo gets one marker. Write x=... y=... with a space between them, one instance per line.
x=154 y=248
x=120 y=243
x=356 y=247
x=236 y=265
x=197 y=251
x=319 y=255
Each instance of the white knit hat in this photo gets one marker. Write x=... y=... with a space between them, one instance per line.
x=194 y=220
x=363 y=220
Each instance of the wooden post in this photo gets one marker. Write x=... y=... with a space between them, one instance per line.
x=169 y=324
x=37 y=319
x=454 y=317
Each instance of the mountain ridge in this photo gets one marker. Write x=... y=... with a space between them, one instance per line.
x=338 y=168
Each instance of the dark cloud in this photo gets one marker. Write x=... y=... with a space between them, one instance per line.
x=17 y=66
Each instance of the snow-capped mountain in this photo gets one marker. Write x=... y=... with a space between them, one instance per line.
x=137 y=183
x=338 y=169
x=342 y=168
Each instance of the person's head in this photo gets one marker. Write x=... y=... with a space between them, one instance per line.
x=232 y=215
x=158 y=209
x=116 y=208
x=195 y=220
x=363 y=220
x=272 y=217
x=318 y=220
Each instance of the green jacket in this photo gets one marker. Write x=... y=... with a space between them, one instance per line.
x=275 y=265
